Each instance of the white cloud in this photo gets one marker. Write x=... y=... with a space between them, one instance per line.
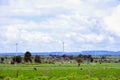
x=43 y=25
x=112 y=21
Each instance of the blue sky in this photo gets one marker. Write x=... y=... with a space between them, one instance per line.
x=43 y=25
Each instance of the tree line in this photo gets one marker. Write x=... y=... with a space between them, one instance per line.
x=51 y=59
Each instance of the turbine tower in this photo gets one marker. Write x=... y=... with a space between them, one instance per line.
x=63 y=46
x=16 y=48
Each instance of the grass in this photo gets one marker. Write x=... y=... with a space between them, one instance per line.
x=93 y=71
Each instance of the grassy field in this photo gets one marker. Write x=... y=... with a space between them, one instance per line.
x=93 y=71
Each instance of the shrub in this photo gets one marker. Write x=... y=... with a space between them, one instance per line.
x=37 y=59
x=16 y=59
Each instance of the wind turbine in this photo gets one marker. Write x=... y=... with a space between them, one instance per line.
x=63 y=45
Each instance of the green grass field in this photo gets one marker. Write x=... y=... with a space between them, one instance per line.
x=93 y=71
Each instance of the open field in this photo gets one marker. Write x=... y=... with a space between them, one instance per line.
x=92 y=71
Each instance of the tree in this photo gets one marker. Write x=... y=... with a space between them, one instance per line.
x=91 y=59
x=2 y=59
x=37 y=59
x=71 y=57
x=27 y=57
x=79 y=60
x=17 y=59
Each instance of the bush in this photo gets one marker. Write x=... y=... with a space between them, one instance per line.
x=17 y=59
x=37 y=59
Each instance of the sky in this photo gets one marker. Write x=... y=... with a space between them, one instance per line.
x=43 y=25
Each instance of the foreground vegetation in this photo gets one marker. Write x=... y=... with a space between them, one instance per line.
x=59 y=67
x=92 y=71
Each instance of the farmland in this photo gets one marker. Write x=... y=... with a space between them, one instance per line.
x=60 y=67
x=92 y=71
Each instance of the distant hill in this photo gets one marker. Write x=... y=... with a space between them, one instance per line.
x=92 y=52
x=112 y=53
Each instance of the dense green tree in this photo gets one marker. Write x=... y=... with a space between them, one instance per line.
x=27 y=57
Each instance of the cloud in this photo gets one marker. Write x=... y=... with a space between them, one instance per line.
x=43 y=25
x=112 y=21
